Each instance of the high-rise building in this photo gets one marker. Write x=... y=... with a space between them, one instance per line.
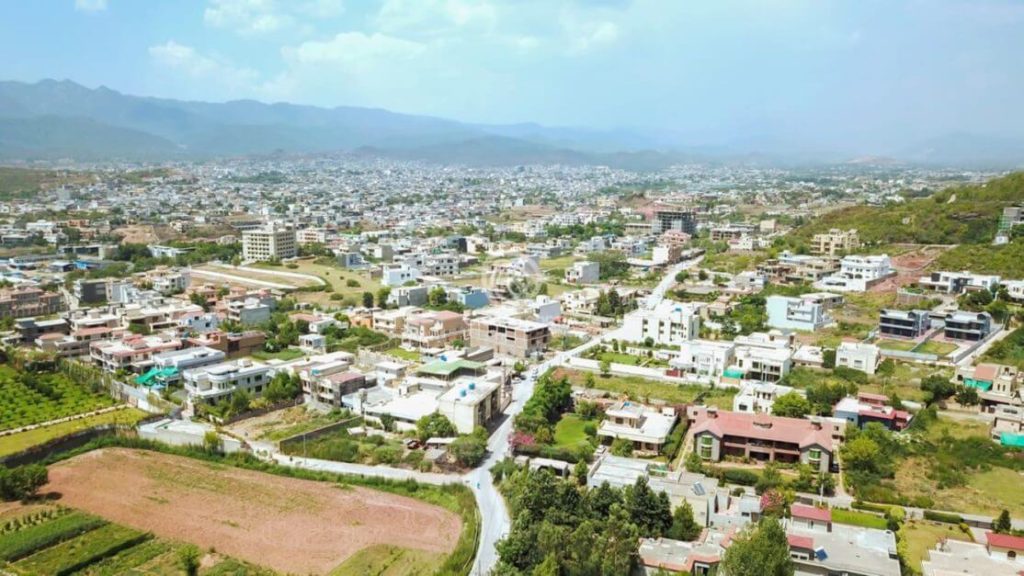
x=679 y=220
x=268 y=243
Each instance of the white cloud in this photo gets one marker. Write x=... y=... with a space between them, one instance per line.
x=355 y=50
x=186 y=60
x=253 y=17
x=584 y=37
x=90 y=5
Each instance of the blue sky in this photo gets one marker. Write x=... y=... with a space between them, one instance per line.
x=861 y=74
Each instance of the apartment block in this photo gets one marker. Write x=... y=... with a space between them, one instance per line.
x=434 y=329
x=835 y=241
x=670 y=323
x=28 y=301
x=858 y=356
x=583 y=273
x=509 y=336
x=677 y=220
x=269 y=243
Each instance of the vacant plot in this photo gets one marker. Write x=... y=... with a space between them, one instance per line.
x=347 y=284
x=385 y=560
x=901 y=345
x=281 y=424
x=985 y=492
x=268 y=520
x=252 y=277
x=643 y=390
x=13 y=443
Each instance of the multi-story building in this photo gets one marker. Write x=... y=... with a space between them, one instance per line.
x=470 y=403
x=705 y=358
x=28 y=301
x=434 y=329
x=646 y=427
x=858 y=356
x=92 y=291
x=717 y=434
x=269 y=243
x=858 y=273
x=835 y=241
x=234 y=345
x=670 y=323
x=758 y=363
x=585 y=272
x=797 y=268
x=970 y=326
x=796 y=313
x=215 y=383
x=1014 y=289
x=678 y=220
x=759 y=397
x=399 y=275
x=248 y=312
x=997 y=384
x=958 y=282
x=510 y=336
x=133 y=353
x=904 y=323
x=1008 y=426
x=166 y=367
x=999 y=555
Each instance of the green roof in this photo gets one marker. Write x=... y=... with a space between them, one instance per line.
x=1011 y=440
x=442 y=368
x=733 y=373
x=157 y=374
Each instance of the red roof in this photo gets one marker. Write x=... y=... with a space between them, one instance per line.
x=1005 y=541
x=811 y=513
x=803 y=542
x=763 y=427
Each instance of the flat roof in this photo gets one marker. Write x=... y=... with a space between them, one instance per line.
x=443 y=368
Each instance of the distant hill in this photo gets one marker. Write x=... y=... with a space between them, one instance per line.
x=959 y=215
x=54 y=119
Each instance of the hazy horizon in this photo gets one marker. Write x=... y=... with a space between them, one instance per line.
x=864 y=77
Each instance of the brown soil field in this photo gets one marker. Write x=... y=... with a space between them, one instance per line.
x=289 y=525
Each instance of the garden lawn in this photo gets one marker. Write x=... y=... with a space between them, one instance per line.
x=569 y=431
x=922 y=536
x=284 y=355
x=24 y=440
x=402 y=353
x=937 y=348
x=901 y=345
x=642 y=389
x=858 y=518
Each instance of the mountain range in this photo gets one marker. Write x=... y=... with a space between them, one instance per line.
x=54 y=119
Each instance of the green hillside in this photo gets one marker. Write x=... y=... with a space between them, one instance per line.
x=960 y=215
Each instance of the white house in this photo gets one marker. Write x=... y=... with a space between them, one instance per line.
x=857 y=273
x=669 y=323
x=758 y=397
x=858 y=356
x=707 y=358
x=585 y=272
x=796 y=313
x=399 y=275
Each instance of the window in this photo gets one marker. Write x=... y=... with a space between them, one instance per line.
x=705 y=452
x=814 y=454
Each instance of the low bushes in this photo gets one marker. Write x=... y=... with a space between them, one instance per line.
x=944 y=517
x=21 y=543
x=73 y=555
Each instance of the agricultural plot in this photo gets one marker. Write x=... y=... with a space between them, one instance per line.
x=267 y=520
x=19 y=441
x=55 y=541
x=29 y=398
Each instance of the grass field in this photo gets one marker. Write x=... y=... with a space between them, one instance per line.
x=936 y=347
x=569 y=431
x=281 y=424
x=560 y=262
x=386 y=560
x=642 y=389
x=403 y=354
x=336 y=276
x=27 y=399
x=922 y=536
x=23 y=440
x=901 y=345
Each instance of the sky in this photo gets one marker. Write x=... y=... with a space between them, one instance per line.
x=870 y=75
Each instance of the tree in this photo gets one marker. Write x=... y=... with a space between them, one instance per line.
x=684 y=526
x=212 y=442
x=967 y=396
x=189 y=557
x=791 y=405
x=199 y=300
x=651 y=512
x=622 y=447
x=828 y=358
x=367 y=299
x=694 y=463
x=1003 y=524
x=589 y=381
x=471 y=449
x=580 y=472
x=938 y=388
x=606 y=368
x=240 y=402
x=437 y=297
x=770 y=479
x=434 y=425
x=382 y=296
x=861 y=454
x=760 y=550
x=22 y=482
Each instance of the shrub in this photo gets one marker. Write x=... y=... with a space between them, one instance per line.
x=740 y=476
x=943 y=517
